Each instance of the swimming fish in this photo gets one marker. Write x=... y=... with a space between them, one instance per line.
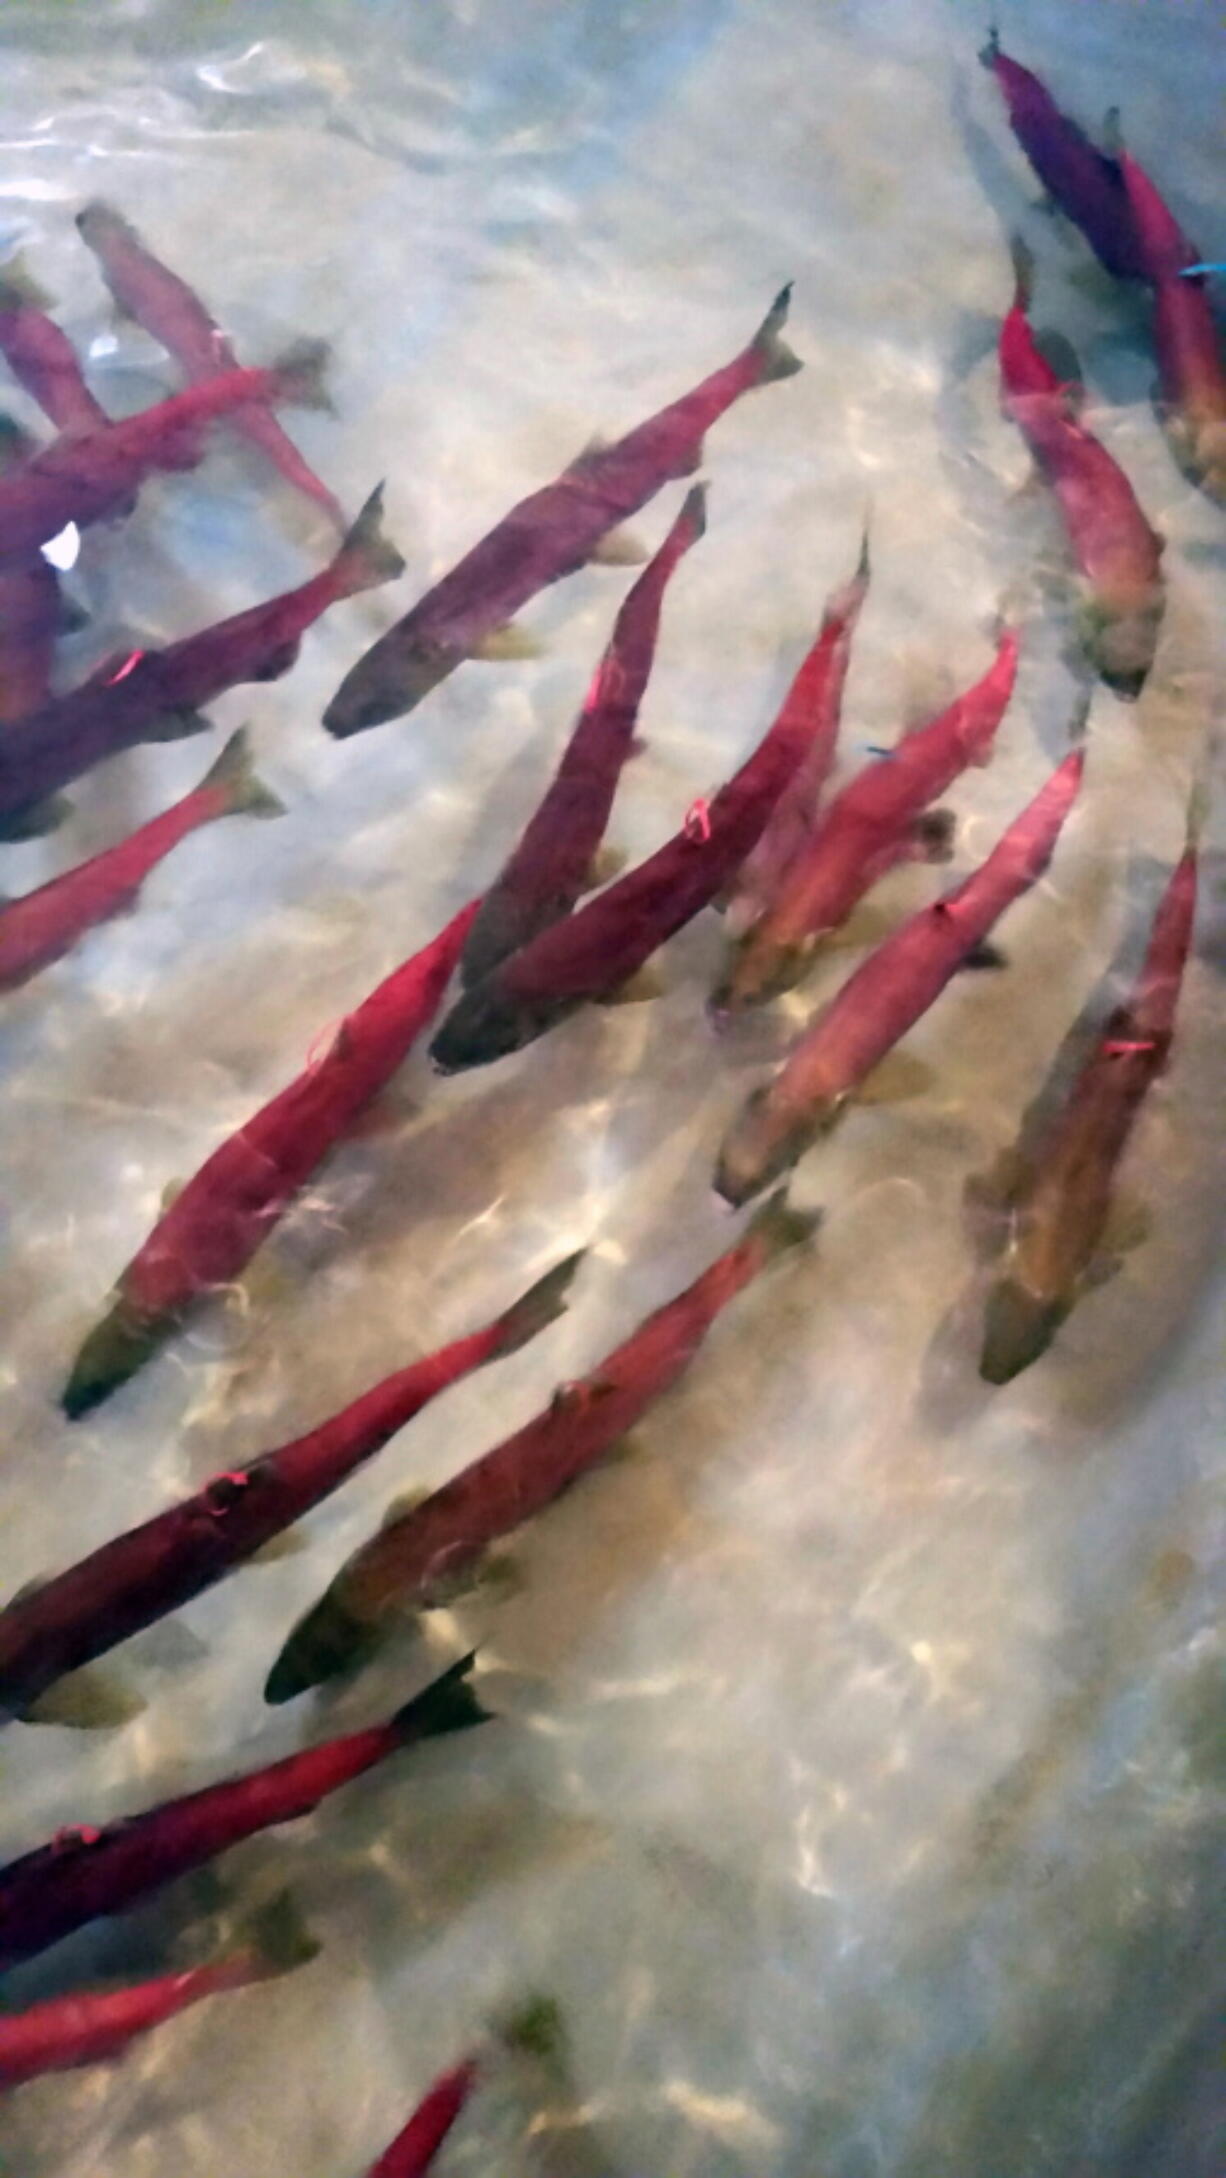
x=554 y=860
x=1117 y=551
x=1083 y=181
x=88 y=475
x=44 y=925
x=30 y=609
x=44 y=361
x=1192 y=376
x=886 y=996
x=877 y=821
x=816 y=694
x=157 y=299
x=550 y=534
x=595 y=952
x=81 y=1874
x=92 y=2026
x=419 y=1556
x=1058 y=1197
x=415 y=2147
x=158 y=695
x=211 y=1230
x=58 y=1625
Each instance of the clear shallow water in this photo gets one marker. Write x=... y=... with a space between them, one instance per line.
x=859 y=1787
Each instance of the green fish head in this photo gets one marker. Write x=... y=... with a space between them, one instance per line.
x=1018 y=1327
x=115 y=1349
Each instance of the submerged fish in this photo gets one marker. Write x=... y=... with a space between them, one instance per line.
x=555 y=859
x=57 y=1626
x=1191 y=371
x=594 y=953
x=82 y=1874
x=878 y=820
x=886 y=996
x=550 y=534
x=30 y=608
x=211 y=1230
x=1083 y=181
x=157 y=299
x=1060 y=1195
x=44 y=361
x=417 y=1558
x=1117 y=551
x=157 y=695
x=44 y=925
x=89 y=475
x=415 y=2147
x=91 y=2027
x=816 y=694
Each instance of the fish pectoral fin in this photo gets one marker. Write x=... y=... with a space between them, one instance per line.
x=387 y=1115
x=1064 y=360
x=178 y=726
x=866 y=925
x=404 y=1503
x=288 y=1544
x=88 y=1700
x=592 y=448
x=1100 y=1270
x=506 y=643
x=897 y=1080
x=983 y=956
x=619 y=548
x=645 y=984
x=170 y=1194
x=606 y=864
x=500 y=1573
x=36 y=819
x=1129 y=1225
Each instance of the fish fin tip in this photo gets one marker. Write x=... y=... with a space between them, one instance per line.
x=288 y=1544
x=897 y=1080
x=619 y=547
x=541 y=1305
x=178 y=726
x=984 y=957
x=935 y=831
x=533 y=2029
x=779 y=1226
x=234 y=775
x=1022 y=258
x=694 y=508
x=607 y=863
x=506 y=644
x=301 y=372
x=279 y=1936
x=37 y=819
x=367 y=556
x=448 y=1704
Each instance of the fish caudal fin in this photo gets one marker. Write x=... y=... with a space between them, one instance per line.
x=775 y=358
x=234 y=777
x=366 y=557
x=777 y=1226
x=19 y=289
x=36 y=819
x=115 y=1349
x=1023 y=271
x=301 y=375
x=533 y=2029
x=448 y=1704
x=277 y=1937
x=542 y=1304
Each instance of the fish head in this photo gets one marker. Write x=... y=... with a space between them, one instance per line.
x=758 y=971
x=114 y=1350
x=1122 y=643
x=331 y=1642
x=385 y=684
x=1019 y=1326
x=489 y=1022
x=763 y=1142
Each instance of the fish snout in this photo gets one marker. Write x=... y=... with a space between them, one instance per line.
x=1019 y=1326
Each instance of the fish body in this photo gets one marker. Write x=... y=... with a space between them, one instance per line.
x=1059 y=1207
x=816 y=694
x=30 y=610
x=88 y=475
x=82 y=1874
x=44 y=925
x=886 y=996
x=597 y=950
x=873 y=824
x=90 y=2027
x=1083 y=181
x=1115 y=548
x=550 y=534
x=415 y=2147
x=552 y=864
x=211 y=1230
x=66 y=1622
x=44 y=361
x=157 y=299
x=415 y=1559
x=1192 y=375
x=157 y=695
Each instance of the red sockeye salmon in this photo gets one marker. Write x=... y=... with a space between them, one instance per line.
x=417 y=1559
x=1191 y=374
x=212 y=1229
x=885 y=997
x=550 y=534
x=1083 y=181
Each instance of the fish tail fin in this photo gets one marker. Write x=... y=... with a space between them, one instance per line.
x=778 y=1227
x=301 y=374
x=1198 y=810
x=366 y=557
x=114 y=1350
x=542 y=1304
x=533 y=2029
x=19 y=289
x=775 y=358
x=863 y=566
x=235 y=778
x=989 y=52
x=35 y=819
x=278 y=1938
x=1112 y=134
x=694 y=511
x=1023 y=271
x=448 y=1704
